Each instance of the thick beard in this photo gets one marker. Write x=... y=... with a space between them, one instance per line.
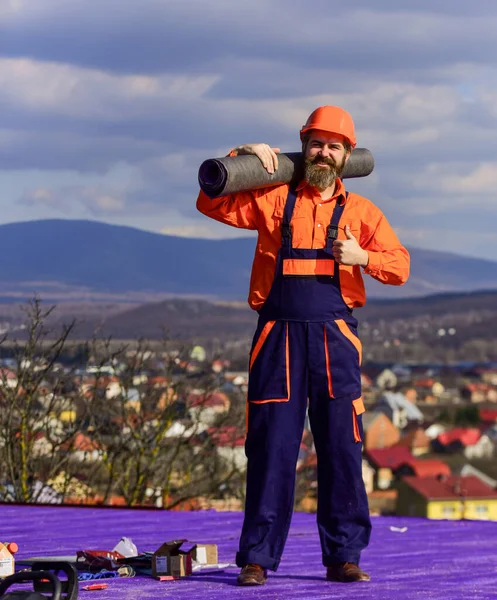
x=322 y=177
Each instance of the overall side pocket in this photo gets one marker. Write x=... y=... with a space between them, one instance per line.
x=269 y=367
x=343 y=354
x=357 y=410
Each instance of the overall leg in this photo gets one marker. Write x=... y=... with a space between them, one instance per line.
x=343 y=514
x=273 y=441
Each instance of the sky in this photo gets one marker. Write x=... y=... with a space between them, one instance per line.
x=108 y=107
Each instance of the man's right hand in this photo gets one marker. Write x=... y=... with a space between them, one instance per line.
x=266 y=154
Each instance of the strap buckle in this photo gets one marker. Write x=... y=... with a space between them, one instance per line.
x=332 y=233
x=286 y=230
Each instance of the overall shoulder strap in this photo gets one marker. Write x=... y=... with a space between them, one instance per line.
x=332 y=233
x=286 y=230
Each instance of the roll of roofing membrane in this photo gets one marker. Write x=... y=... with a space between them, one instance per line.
x=222 y=176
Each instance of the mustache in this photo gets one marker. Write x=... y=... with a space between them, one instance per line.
x=328 y=161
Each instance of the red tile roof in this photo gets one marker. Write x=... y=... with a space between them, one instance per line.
x=467 y=436
x=228 y=435
x=208 y=400
x=390 y=457
x=451 y=488
x=488 y=415
x=424 y=383
x=429 y=468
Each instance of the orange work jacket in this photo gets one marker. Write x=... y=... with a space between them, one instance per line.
x=262 y=210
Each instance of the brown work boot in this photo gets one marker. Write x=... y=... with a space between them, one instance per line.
x=252 y=575
x=346 y=572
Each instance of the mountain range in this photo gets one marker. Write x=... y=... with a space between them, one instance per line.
x=89 y=260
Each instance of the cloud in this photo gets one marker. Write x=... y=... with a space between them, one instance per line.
x=67 y=200
x=155 y=36
x=153 y=88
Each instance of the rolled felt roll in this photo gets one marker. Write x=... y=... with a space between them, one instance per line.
x=222 y=176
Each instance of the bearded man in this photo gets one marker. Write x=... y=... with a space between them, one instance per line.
x=313 y=242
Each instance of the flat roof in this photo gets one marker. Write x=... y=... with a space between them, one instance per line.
x=430 y=560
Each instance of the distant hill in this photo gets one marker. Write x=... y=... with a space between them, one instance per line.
x=475 y=314
x=84 y=260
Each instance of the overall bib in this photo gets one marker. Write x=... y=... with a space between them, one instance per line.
x=305 y=355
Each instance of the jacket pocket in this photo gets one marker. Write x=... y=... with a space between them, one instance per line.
x=343 y=354
x=357 y=410
x=269 y=367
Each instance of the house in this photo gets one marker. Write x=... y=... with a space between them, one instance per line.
x=398 y=409
x=379 y=431
x=479 y=391
x=185 y=429
x=230 y=445
x=158 y=382
x=484 y=448
x=428 y=386
x=113 y=389
x=131 y=398
x=416 y=440
x=82 y=448
x=42 y=447
x=71 y=489
x=434 y=430
x=488 y=375
x=238 y=378
x=385 y=461
x=386 y=380
x=8 y=378
x=446 y=498
x=218 y=366
x=206 y=407
x=488 y=415
x=455 y=439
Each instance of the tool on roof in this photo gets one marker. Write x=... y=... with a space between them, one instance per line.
x=45 y=579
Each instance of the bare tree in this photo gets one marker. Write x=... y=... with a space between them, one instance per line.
x=32 y=433
x=149 y=425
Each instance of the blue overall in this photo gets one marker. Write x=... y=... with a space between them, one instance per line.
x=305 y=355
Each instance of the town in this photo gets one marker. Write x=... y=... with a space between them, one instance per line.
x=140 y=424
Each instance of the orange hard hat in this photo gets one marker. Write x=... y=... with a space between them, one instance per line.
x=332 y=119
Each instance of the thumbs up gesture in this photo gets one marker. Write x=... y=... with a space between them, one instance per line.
x=348 y=252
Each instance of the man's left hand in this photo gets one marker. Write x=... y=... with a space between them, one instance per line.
x=348 y=252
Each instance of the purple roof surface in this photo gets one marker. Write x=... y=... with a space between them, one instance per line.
x=432 y=560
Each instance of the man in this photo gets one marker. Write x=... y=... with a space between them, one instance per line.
x=306 y=279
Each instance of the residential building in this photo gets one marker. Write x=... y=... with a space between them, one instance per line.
x=385 y=461
x=398 y=409
x=479 y=391
x=455 y=439
x=446 y=498
x=416 y=440
x=484 y=448
x=379 y=431
x=206 y=407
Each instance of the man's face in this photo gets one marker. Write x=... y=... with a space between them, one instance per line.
x=325 y=157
